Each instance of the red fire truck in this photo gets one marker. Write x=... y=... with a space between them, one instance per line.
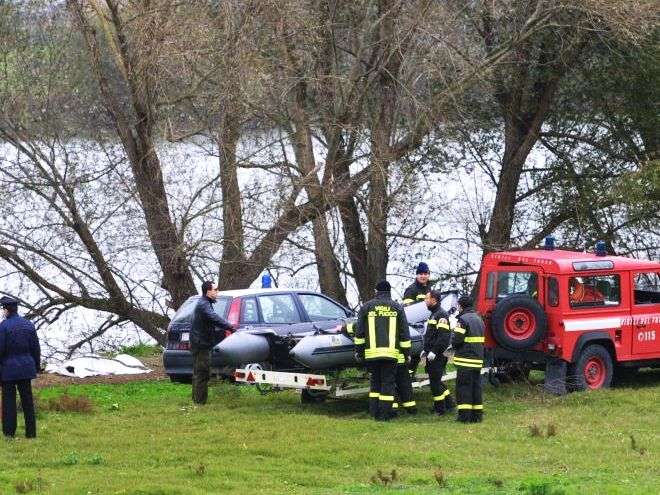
x=584 y=318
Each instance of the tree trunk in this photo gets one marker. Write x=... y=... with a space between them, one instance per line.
x=233 y=243
x=134 y=126
x=521 y=132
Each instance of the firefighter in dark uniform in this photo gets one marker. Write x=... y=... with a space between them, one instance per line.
x=203 y=336
x=381 y=333
x=403 y=384
x=20 y=360
x=416 y=292
x=436 y=341
x=404 y=389
x=468 y=344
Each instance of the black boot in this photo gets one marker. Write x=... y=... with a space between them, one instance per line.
x=439 y=407
x=450 y=405
x=477 y=416
x=464 y=416
x=386 y=416
x=373 y=407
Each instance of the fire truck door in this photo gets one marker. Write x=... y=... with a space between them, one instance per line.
x=646 y=314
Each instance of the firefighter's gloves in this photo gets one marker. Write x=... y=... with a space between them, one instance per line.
x=358 y=357
x=430 y=356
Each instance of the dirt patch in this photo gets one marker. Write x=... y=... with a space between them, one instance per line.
x=154 y=363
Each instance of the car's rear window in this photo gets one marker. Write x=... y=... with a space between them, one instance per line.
x=221 y=305
x=185 y=313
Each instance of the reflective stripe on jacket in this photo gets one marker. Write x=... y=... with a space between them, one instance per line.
x=438 y=332
x=468 y=340
x=415 y=293
x=382 y=329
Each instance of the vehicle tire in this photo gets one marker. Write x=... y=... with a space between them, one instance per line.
x=592 y=370
x=313 y=396
x=518 y=323
x=263 y=388
x=185 y=379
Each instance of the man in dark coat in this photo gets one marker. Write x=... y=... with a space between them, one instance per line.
x=20 y=357
x=416 y=292
x=203 y=336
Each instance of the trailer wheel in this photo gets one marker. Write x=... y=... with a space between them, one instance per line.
x=263 y=388
x=313 y=396
x=592 y=370
x=519 y=323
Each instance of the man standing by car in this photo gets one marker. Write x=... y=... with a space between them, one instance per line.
x=416 y=292
x=468 y=343
x=20 y=358
x=203 y=336
x=436 y=341
x=382 y=331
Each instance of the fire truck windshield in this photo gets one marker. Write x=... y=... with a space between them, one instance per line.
x=509 y=283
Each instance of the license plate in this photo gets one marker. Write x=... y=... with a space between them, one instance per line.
x=185 y=337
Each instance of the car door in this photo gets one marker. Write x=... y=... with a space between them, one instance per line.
x=280 y=312
x=321 y=311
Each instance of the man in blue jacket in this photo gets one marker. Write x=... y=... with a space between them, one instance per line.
x=203 y=336
x=20 y=357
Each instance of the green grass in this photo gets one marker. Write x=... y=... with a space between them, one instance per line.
x=142 y=350
x=148 y=438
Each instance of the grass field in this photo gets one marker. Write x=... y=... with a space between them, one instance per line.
x=148 y=438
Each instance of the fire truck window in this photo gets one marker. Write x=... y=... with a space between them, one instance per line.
x=647 y=288
x=594 y=291
x=509 y=283
x=553 y=292
x=490 y=286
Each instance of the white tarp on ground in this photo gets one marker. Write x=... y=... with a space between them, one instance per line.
x=93 y=365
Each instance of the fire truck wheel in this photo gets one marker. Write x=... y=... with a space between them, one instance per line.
x=592 y=370
x=519 y=323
